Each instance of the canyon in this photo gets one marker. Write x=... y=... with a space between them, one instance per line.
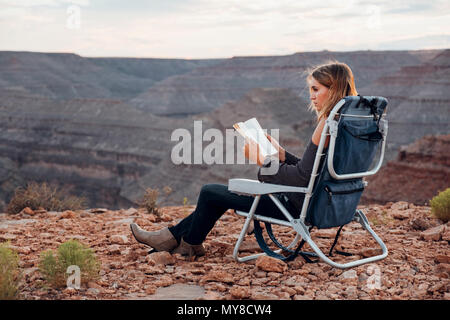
x=101 y=127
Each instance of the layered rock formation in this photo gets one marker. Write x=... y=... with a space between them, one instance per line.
x=70 y=76
x=420 y=172
x=102 y=127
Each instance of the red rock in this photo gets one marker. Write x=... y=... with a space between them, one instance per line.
x=166 y=217
x=220 y=276
x=325 y=233
x=370 y=252
x=249 y=246
x=433 y=233
x=420 y=224
x=299 y=289
x=114 y=249
x=400 y=214
x=28 y=211
x=446 y=233
x=150 y=289
x=161 y=258
x=92 y=284
x=267 y=263
x=290 y=291
x=68 y=214
x=413 y=270
x=400 y=205
x=119 y=239
x=69 y=290
x=7 y=236
x=349 y=277
x=261 y=295
x=131 y=212
x=239 y=292
x=163 y=281
x=147 y=269
x=303 y=297
x=442 y=258
x=444 y=267
x=40 y=210
x=99 y=210
x=439 y=287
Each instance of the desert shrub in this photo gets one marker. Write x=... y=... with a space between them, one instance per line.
x=54 y=268
x=149 y=201
x=42 y=195
x=440 y=205
x=9 y=273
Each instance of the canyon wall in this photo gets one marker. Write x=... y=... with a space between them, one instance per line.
x=101 y=127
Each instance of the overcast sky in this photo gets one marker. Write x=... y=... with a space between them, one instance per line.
x=221 y=28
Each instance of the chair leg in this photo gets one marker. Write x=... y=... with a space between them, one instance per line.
x=301 y=228
x=243 y=233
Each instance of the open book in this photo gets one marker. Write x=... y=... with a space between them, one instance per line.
x=251 y=129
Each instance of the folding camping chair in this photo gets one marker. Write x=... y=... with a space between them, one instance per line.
x=357 y=129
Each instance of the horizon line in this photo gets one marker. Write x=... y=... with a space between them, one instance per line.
x=229 y=57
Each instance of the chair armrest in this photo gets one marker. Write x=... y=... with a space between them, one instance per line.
x=255 y=187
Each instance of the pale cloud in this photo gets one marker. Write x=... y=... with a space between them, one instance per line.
x=40 y=3
x=220 y=29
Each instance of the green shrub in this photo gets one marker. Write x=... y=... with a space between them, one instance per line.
x=37 y=196
x=54 y=268
x=440 y=205
x=9 y=273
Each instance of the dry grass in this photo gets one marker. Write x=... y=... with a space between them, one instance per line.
x=44 y=196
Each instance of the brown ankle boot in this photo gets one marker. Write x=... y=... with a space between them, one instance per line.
x=161 y=240
x=189 y=250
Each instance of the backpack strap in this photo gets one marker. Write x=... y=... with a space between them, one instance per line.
x=372 y=104
x=347 y=254
x=293 y=254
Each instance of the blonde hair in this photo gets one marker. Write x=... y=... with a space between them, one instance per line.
x=338 y=78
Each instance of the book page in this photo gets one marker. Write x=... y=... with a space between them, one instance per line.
x=251 y=129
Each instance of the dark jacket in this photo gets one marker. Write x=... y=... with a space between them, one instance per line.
x=293 y=172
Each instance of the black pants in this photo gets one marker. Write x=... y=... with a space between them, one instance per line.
x=214 y=200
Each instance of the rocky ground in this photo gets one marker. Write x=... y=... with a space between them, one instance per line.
x=417 y=267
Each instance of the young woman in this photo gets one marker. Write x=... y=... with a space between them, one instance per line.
x=328 y=83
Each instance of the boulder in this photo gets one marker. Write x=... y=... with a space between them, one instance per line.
x=161 y=258
x=271 y=264
x=433 y=234
x=118 y=239
x=240 y=292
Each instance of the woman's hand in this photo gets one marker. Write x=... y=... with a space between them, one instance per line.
x=251 y=152
x=276 y=145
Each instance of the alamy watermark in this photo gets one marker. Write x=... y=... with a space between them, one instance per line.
x=220 y=150
x=73 y=17
x=74 y=279
x=374 y=280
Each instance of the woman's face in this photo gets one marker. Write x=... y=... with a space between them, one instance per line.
x=318 y=93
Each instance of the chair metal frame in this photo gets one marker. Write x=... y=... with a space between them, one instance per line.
x=257 y=189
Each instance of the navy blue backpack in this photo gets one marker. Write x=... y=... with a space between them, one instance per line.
x=334 y=202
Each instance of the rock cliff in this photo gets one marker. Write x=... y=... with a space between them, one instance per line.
x=420 y=172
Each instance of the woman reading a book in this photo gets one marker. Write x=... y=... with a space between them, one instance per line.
x=328 y=83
